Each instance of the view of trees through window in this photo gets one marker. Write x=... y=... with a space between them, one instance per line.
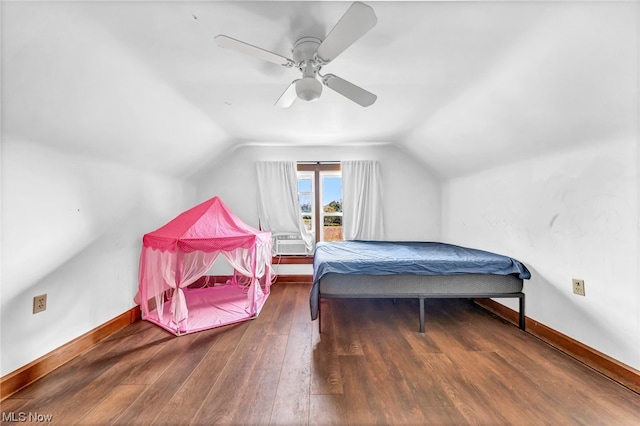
x=331 y=207
x=328 y=195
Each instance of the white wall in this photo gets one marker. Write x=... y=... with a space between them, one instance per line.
x=72 y=228
x=572 y=214
x=411 y=193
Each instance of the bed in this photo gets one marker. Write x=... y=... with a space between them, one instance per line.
x=410 y=269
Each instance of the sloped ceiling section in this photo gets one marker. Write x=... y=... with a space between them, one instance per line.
x=73 y=85
x=571 y=79
x=461 y=85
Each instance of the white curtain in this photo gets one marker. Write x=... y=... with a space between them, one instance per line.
x=362 y=201
x=278 y=205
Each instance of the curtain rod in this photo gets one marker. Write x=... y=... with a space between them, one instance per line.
x=318 y=162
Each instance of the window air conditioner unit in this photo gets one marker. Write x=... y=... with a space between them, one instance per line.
x=289 y=244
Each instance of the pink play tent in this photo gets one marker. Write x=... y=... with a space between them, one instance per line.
x=176 y=255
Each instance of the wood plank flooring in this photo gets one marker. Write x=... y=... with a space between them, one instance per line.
x=369 y=366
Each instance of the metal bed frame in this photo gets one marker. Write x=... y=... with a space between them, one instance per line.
x=422 y=297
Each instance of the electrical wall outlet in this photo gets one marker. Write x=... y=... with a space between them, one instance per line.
x=39 y=303
x=578 y=286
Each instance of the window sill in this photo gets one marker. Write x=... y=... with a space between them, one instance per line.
x=292 y=260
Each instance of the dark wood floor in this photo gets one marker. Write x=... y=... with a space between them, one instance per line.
x=370 y=365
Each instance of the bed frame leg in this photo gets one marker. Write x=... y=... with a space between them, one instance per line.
x=421 y=314
x=319 y=318
x=522 y=316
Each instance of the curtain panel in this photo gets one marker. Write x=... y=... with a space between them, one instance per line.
x=278 y=204
x=362 y=213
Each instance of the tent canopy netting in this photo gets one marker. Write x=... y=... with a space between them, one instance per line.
x=177 y=254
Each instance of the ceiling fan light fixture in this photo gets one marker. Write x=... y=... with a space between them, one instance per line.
x=308 y=89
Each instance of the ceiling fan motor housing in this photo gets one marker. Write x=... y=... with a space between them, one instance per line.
x=305 y=49
x=308 y=88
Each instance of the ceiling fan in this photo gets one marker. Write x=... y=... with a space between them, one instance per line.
x=310 y=54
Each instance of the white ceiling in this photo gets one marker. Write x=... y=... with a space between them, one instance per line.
x=461 y=85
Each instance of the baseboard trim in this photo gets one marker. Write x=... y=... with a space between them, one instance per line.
x=604 y=364
x=13 y=382
x=297 y=279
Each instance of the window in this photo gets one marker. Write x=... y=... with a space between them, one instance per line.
x=331 y=212
x=320 y=197
x=306 y=198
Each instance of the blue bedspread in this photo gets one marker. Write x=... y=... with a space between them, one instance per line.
x=409 y=258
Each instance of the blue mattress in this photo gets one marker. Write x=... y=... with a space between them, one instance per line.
x=417 y=258
x=406 y=257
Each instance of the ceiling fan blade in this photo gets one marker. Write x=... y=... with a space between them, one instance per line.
x=356 y=21
x=288 y=96
x=349 y=90
x=249 y=49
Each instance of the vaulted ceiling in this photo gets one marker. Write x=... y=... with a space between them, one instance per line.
x=461 y=85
